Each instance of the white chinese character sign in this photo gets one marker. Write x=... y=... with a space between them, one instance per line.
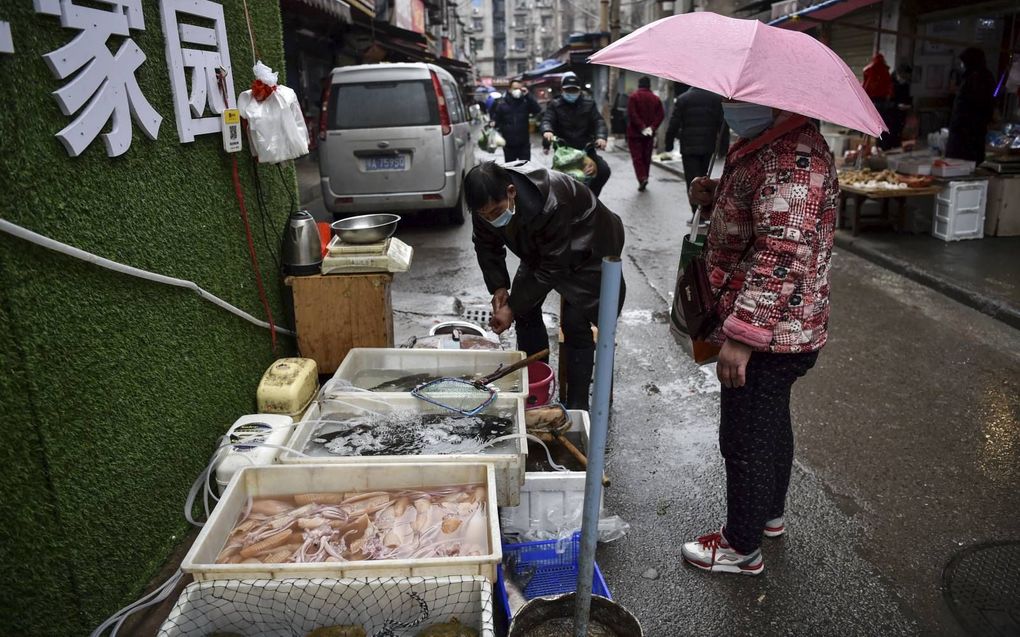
x=6 y=42
x=105 y=90
x=206 y=51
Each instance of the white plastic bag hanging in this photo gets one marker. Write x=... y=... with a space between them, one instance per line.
x=276 y=126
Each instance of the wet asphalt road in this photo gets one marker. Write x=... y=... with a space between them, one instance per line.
x=908 y=440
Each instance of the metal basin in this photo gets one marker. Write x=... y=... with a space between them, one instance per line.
x=366 y=228
x=535 y=617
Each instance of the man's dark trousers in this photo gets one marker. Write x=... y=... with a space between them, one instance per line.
x=515 y=153
x=694 y=166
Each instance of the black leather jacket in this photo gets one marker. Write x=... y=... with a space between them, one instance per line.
x=560 y=232
x=577 y=124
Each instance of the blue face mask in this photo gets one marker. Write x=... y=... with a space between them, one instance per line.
x=571 y=97
x=747 y=120
x=503 y=219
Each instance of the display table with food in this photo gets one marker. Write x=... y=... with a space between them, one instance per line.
x=885 y=186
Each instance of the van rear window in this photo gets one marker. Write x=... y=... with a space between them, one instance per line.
x=383 y=105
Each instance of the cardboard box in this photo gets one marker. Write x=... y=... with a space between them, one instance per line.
x=1002 y=214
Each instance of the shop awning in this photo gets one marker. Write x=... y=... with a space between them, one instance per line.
x=822 y=12
x=336 y=8
x=546 y=66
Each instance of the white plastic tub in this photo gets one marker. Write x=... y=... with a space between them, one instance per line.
x=283 y=608
x=436 y=362
x=286 y=607
x=296 y=479
x=552 y=501
x=508 y=460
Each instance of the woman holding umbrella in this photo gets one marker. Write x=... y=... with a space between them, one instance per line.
x=773 y=215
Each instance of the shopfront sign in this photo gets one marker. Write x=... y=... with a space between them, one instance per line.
x=101 y=91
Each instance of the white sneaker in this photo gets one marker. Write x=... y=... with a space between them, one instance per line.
x=775 y=527
x=712 y=553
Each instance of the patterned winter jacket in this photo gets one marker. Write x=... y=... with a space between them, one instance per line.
x=780 y=192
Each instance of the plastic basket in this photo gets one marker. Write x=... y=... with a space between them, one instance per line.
x=557 y=566
x=290 y=607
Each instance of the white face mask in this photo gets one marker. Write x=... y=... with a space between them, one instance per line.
x=516 y=93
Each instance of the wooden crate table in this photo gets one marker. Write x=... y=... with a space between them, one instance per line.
x=337 y=312
x=900 y=196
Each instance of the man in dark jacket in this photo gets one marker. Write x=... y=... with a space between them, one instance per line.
x=575 y=119
x=560 y=232
x=696 y=119
x=644 y=114
x=510 y=116
x=972 y=109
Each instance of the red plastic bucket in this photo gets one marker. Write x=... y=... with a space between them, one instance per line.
x=540 y=384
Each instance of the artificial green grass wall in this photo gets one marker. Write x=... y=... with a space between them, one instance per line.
x=115 y=389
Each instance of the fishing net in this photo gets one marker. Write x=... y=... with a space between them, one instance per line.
x=379 y=607
x=462 y=396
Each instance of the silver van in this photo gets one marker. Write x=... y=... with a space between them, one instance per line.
x=397 y=138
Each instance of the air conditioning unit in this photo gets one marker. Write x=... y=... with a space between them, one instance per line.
x=786 y=7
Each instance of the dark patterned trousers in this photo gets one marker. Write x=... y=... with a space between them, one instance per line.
x=756 y=441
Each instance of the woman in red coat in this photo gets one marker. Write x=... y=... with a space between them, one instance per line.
x=644 y=115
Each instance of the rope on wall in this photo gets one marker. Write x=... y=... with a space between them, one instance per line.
x=71 y=251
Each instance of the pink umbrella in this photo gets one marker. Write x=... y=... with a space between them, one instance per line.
x=748 y=61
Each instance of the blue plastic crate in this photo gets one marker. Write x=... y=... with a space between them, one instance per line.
x=556 y=573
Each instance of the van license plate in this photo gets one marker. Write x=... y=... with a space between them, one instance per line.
x=389 y=162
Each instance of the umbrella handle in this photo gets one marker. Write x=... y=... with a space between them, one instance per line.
x=696 y=221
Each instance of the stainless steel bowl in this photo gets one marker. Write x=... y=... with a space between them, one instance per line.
x=366 y=228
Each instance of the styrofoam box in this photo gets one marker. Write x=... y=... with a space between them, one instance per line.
x=953 y=168
x=549 y=498
x=837 y=142
x=436 y=362
x=280 y=480
x=282 y=608
x=960 y=211
x=509 y=464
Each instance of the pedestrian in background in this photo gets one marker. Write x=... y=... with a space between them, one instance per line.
x=644 y=115
x=972 y=108
x=575 y=119
x=696 y=119
x=560 y=232
x=878 y=82
x=773 y=217
x=510 y=116
x=899 y=106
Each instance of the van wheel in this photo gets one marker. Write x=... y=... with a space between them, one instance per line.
x=457 y=214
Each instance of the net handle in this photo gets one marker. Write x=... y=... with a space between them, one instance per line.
x=504 y=371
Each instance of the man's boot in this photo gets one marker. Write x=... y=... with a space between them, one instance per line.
x=580 y=364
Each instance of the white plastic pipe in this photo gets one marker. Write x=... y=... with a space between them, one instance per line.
x=71 y=251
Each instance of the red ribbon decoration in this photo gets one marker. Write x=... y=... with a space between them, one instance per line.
x=260 y=90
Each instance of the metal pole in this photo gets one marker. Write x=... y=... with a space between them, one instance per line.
x=609 y=304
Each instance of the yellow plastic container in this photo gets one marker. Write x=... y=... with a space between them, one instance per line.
x=288 y=387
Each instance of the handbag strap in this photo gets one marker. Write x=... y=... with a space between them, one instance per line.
x=726 y=281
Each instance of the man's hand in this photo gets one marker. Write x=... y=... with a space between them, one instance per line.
x=600 y=144
x=732 y=366
x=647 y=131
x=590 y=167
x=547 y=136
x=703 y=191
x=501 y=319
x=500 y=298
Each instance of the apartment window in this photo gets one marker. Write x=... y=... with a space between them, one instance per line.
x=522 y=67
x=476 y=23
x=519 y=44
x=547 y=45
x=547 y=20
